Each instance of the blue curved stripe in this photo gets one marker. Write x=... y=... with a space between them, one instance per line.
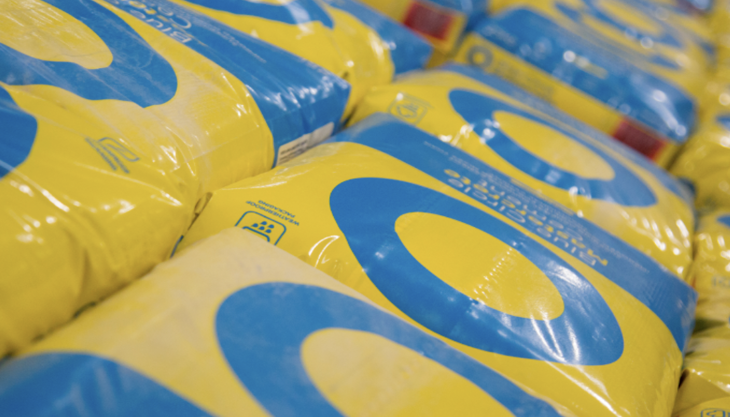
x=295 y=96
x=367 y=209
x=724 y=220
x=408 y=51
x=625 y=188
x=261 y=330
x=82 y=385
x=17 y=134
x=137 y=72
x=668 y=181
x=293 y=12
x=627 y=86
x=671 y=299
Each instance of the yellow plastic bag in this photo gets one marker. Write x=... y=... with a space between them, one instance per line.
x=530 y=141
x=711 y=269
x=470 y=255
x=607 y=63
x=116 y=120
x=703 y=162
x=705 y=386
x=238 y=327
x=441 y=21
x=714 y=408
x=343 y=36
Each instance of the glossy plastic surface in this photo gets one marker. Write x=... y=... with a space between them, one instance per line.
x=711 y=269
x=345 y=37
x=441 y=22
x=117 y=118
x=238 y=327
x=703 y=162
x=607 y=63
x=705 y=387
x=468 y=254
x=536 y=144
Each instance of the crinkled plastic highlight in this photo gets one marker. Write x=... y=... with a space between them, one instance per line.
x=117 y=118
x=576 y=54
x=438 y=237
x=711 y=268
x=567 y=161
x=703 y=162
x=238 y=327
x=441 y=22
x=343 y=36
x=705 y=387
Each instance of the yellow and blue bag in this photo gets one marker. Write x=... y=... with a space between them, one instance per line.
x=696 y=26
x=237 y=327
x=117 y=118
x=343 y=36
x=686 y=6
x=705 y=387
x=446 y=242
x=607 y=63
x=441 y=22
x=536 y=144
x=711 y=269
x=703 y=162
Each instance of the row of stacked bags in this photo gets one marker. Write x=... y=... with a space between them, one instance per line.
x=704 y=164
x=508 y=232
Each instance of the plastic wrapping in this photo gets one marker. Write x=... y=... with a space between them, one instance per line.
x=117 y=118
x=238 y=327
x=684 y=19
x=607 y=63
x=703 y=162
x=470 y=255
x=343 y=36
x=705 y=387
x=441 y=21
x=569 y=162
x=711 y=268
x=686 y=6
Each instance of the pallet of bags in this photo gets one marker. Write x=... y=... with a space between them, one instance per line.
x=612 y=64
x=472 y=256
x=117 y=121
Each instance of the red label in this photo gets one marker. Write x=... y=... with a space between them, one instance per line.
x=639 y=139
x=428 y=20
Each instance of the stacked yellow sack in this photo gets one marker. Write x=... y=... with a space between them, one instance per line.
x=343 y=36
x=237 y=327
x=549 y=151
x=695 y=25
x=116 y=119
x=705 y=385
x=704 y=161
x=686 y=6
x=719 y=22
x=441 y=22
x=711 y=268
x=609 y=63
x=571 y=313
